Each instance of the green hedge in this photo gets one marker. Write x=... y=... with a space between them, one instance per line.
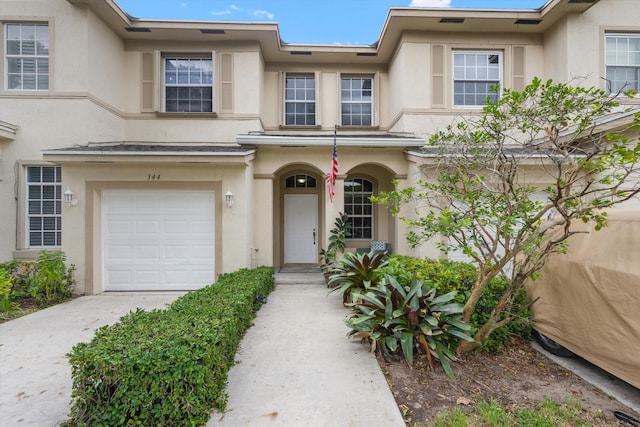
x=448 y=276
x=166 y=367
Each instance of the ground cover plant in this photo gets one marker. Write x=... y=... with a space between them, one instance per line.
x=167 y=367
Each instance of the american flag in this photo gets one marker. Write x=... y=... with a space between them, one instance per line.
x=331 y=177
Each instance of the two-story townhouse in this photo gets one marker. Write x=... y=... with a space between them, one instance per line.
x=158 y=154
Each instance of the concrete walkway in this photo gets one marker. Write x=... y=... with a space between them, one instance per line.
x=296 y=366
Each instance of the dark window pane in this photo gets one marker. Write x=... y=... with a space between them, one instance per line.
x=49 y=238
x=35 y=224
x=33 y=174
x=48 y=174
x=35 y=239
x=35 y=192
x=49 y=223
x=34 y=208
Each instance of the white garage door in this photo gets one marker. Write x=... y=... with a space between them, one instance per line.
x=157 y=240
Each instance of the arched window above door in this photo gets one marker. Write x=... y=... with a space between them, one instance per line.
x=300 y=181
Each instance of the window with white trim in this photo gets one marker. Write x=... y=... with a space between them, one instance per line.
x=27 y=56
x=622 y=60
x=358 y=207
x=356 y=101
x=188 y=84
x=44 y=206
x=475 y=74
x=300 y=100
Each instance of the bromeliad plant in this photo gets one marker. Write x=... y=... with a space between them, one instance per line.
x=393 y=316
x=354 y=271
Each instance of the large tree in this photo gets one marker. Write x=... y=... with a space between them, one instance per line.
x=482 y=192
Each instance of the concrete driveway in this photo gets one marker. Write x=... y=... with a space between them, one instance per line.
x=35 y=376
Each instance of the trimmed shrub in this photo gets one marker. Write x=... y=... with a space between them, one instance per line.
x=166 y=367
x=449 y=276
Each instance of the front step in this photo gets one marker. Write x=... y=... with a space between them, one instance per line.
x=299 y=279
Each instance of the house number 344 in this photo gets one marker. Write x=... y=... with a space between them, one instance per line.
x=153 y=177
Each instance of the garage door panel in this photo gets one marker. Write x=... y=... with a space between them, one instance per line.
x=198 y=253
x=118 y=252
x=120 y=277
x=173 y=227
x=147 y=253
x=158 y=240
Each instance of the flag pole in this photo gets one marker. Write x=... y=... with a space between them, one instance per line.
x=333 y=174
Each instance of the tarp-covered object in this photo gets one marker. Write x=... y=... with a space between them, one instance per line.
x=589 y=299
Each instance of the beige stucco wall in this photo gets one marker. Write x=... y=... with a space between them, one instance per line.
x=574 y=47
x=328 y=92
x=410 y=97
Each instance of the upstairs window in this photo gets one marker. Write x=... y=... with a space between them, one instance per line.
x=44 y=206
x=188 y=85
x=27 y=56
x=474 y=74
x=300 y=100
x=359 y=208
x=356 y=95
x=622 y=62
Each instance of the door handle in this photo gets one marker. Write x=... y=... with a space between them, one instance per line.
x=314 y=236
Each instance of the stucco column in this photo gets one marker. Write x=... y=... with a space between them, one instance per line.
x=333 y=209
x=263 y=237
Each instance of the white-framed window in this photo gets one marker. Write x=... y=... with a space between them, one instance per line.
x=356 y=101
x=622 y=61
x=300 y=100
x=475 y=73
x=188 y=84
x=359 y=208
x=27 y=56
x=44 y=206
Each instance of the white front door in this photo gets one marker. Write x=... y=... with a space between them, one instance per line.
x=300 y=228
x=158 y=240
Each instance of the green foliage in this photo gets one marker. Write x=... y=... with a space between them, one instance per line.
x=166 y=367
x=22 y=273
x=53 y=282
x=355 y=270
x=5 y=290
x=395 y=316
x=544 y=414
x=47 y=281
x=454 y=276
x=338 y=235
x=479 y=197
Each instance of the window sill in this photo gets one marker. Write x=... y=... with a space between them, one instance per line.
x=358 y=128
x=289 y=127
x=32 y=254
x=177 y=115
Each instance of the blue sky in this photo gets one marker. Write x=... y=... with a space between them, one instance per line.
x=306 y=21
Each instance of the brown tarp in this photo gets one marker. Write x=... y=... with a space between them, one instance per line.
x=589 y=298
